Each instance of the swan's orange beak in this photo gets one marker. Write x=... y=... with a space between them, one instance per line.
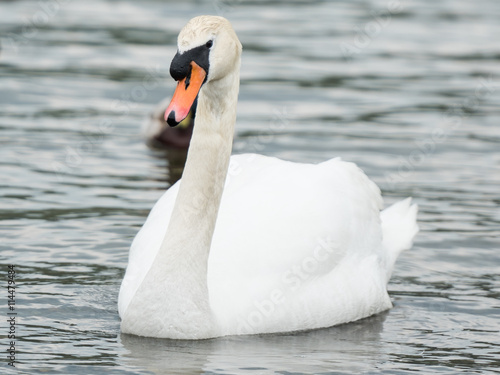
x=185 y=93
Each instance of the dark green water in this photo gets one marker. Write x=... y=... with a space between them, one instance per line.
x=409 y=90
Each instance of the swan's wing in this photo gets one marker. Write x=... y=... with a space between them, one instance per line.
x=291 y=229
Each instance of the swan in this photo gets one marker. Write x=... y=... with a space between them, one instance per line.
x=249 y=244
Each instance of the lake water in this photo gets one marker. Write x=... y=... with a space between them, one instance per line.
x=409 y=90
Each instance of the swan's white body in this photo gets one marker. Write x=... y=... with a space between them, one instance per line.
x=274 y=247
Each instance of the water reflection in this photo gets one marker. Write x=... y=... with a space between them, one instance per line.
x=305 y=352
x=175 y=164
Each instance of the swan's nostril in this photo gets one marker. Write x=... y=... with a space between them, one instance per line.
x=171 y=119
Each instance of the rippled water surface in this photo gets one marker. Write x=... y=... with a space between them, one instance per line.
x=409 y=90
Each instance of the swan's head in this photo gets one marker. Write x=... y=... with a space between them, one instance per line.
x=208 y=50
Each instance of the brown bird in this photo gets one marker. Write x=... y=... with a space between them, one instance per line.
x=162 y=136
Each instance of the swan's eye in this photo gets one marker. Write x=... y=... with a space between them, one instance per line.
x=209 y=44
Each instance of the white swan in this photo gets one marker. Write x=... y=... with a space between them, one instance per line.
x=253 y=244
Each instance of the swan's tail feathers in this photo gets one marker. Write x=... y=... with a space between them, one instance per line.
x=399 y=227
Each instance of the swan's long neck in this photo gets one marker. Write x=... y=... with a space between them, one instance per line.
x=195 y=211
x=176 y=284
